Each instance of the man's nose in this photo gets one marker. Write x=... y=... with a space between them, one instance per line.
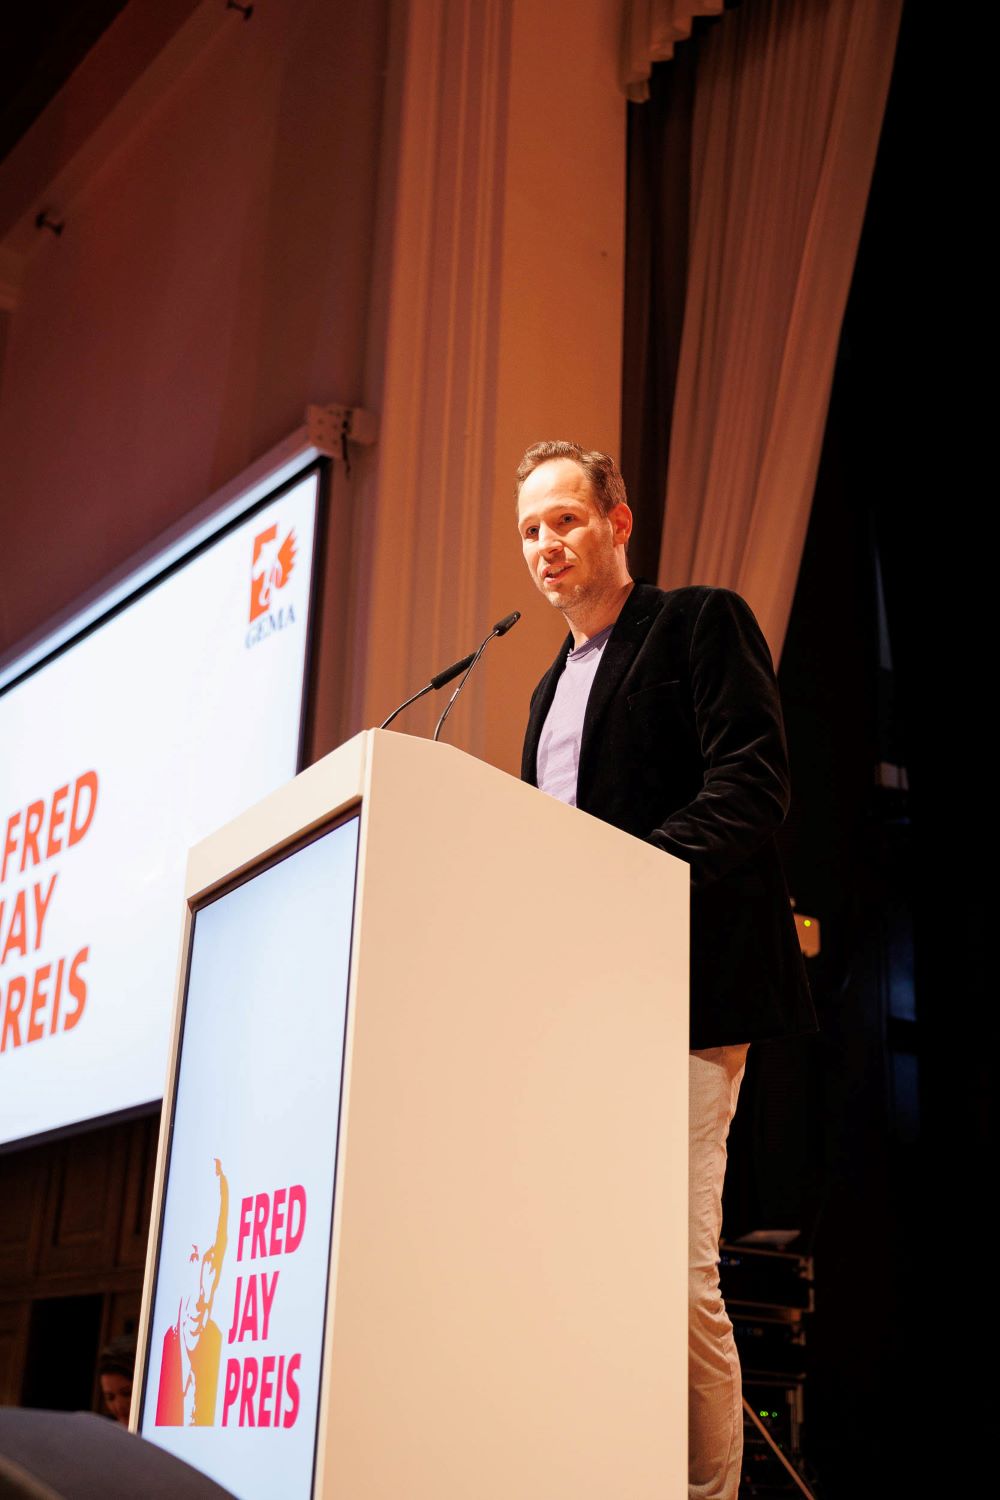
x=548 y=540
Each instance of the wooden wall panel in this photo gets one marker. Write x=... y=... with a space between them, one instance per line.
x=14 y=1318
x=121 y=1314
x=137 y=1200
x=23 y=1182
x=74 y=1222
x=83 y=1212
x=120 y=1319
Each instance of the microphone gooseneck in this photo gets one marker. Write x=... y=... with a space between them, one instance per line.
x=500 y=628
x=439 y=681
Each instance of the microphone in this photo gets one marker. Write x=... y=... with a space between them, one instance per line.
x=439 y=681
x=500 y=628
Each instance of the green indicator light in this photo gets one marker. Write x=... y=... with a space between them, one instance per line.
x=807 y=921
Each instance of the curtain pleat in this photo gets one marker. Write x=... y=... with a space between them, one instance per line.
x=789 y=102
x=651 y=31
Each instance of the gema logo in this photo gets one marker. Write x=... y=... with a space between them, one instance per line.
x=270 y=570
x=189 y=1362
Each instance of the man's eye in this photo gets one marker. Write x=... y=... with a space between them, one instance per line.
x=530 y=531
x=569 y=516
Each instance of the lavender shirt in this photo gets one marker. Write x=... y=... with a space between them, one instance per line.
x=559 y=747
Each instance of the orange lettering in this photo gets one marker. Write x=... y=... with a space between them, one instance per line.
x=36 y=1028
x=57 y=818
x=57 y=996
x=10 y=843
x=78 y=824
x=17 y=933
x=11 y=1021
x=32 y=823
x=42 y=906
x=77 y=988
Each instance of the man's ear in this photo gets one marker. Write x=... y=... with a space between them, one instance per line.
x=620 y=517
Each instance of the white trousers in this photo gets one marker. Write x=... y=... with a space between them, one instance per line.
x=715 y=1392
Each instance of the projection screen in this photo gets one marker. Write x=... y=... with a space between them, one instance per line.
x=158 y=721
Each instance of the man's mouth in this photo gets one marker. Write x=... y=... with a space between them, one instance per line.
x=551 y=574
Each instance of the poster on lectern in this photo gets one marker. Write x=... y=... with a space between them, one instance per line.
x=161 y=719
x=233 y=1362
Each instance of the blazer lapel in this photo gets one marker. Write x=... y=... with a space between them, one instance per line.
x=630 y=630
x=541 y=704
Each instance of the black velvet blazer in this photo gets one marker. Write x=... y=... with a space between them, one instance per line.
x=684 y=746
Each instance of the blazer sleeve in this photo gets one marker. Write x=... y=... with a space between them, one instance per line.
x=737 y=714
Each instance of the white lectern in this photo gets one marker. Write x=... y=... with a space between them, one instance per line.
x=420 y=1218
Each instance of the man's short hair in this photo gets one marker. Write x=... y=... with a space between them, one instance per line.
x=606 y=481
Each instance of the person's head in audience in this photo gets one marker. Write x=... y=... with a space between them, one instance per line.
x=115 y=1369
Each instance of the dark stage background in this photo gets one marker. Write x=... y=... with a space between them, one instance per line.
x=869 y=1138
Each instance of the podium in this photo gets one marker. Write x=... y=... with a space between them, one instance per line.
x=419 y=1223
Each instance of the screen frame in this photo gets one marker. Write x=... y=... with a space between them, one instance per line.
x=196 y=904
x=319 y=465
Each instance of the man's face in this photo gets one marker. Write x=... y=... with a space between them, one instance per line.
x=194 y=1303
x=202 y=1276
x=575 y=555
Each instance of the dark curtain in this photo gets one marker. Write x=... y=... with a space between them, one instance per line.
x=656 y=257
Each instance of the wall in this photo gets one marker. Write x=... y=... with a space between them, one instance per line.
x=74 y=1225
x=218 y=190
x=504 y=303
x=211 y=279
x=421 y=211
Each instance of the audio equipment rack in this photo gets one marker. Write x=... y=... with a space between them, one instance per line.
x=769 y=1295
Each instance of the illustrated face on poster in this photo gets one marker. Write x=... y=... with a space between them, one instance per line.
x=233 y=1366
x=162 y=724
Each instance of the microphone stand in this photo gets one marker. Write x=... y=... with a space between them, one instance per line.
x=436 y=682
x=500 y=628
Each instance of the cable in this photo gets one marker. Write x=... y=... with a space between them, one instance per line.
x=777 y=1451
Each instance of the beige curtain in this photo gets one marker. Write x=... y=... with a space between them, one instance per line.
x=651 y=30
x=788 y=106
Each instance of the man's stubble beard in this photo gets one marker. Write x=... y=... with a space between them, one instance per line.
x=586 y=595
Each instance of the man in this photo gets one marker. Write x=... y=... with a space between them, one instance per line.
x=189 y=1361
x=660 y=714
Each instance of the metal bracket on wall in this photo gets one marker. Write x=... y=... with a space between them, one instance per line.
x=331 y=428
